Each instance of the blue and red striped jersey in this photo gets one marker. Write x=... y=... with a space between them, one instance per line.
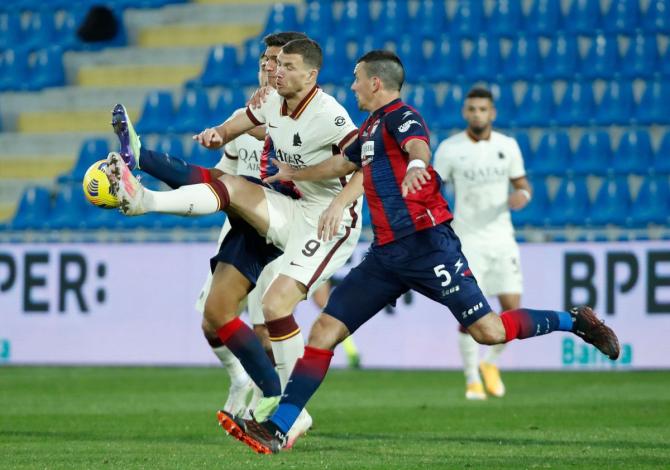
x=379 y=151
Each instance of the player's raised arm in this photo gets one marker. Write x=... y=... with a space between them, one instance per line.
x=217 y=137
x=419 y=158
x=330 y=219
x=334 y=167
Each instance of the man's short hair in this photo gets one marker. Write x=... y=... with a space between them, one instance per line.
x=283 y=38
x=308 y=49
x=387 y=66
x=479 y=92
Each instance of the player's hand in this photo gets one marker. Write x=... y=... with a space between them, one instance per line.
x=414 y=179
x=517 y=200
x=259 y=97
x=209 y=138
x=285 y=172
x=329 y=221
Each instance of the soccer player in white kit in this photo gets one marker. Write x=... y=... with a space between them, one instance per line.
x=482 y=163
x=306 y=126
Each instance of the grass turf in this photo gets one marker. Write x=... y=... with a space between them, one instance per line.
x=165 y=418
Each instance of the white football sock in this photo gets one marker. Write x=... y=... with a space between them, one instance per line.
x=470 y=354
x=238 y=376
x=193 y=199
x=286 y=353
x=493 y=353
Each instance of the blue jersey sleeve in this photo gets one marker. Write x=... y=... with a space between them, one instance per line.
x=353 y=152
x=405 y=124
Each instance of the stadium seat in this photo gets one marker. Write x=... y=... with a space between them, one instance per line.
x=203 y=156
x=15 y=71
x=651 y=204
x=657 y=17
x=221 y=67
x=594 y=153
x=584 y=17
x=90 y=152
x=641 y=58
x=282 y=17
x=66 y=26
x=577 y=106
x=318 y=20
x=229 y=100
x=537 y=106
x=450 y=111
x=612 y=201
x=32 y=210
x=571 y=203
x=616 y=105
x=507 y=18
x=422 y=98
x=602 y=57
x=347 y=99
x=337 y=68
x=170 y=144
x=503 y=95
x=655 y=102
x=193 y=114
x=249 y=65
x=10 y=29
x=661 y=162
x=535 y=213
x=47 y=70
x=622 y=17
x=40 y=30
x=523 y=60
x=553 y=154
x=157 y=113
x=484 y=60
x=355 y=18
x=445 y=60
x=410 y=49
x=562 y=60
x=70 y=207
x=430 y=19
x=393 y=19
x=634 y=154
x=468 y=19
x=544 y=18
x=523 y=140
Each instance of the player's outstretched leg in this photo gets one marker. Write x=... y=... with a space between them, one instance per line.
x=128 y=190
x=128 y=138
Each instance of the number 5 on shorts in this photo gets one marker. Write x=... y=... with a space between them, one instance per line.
x=441 y=271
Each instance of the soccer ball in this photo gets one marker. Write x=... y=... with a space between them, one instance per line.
x=96 y=185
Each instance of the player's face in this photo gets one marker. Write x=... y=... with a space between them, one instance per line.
x=479 y=113
x=363 y=87
x=262 y=73
x=271 y=54
x=293 y=75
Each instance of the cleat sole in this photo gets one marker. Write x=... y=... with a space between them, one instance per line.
x=232 y=429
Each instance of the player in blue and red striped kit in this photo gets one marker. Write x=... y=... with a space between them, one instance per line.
x=414 y=248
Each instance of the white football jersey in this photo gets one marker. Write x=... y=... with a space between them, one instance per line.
x=306 y=137
x=242 y=156
x=481 y=172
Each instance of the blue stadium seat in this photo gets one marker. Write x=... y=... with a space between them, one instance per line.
x=544 y=18
x=602 y=57
x=657 y=17
x=661 y=162
x=66 y=26
x=468 y=19
x=641 y=58
x=157 y=113
x=193 y=114
x=229 y=100
x=48 y=70
x=450 y=111
x=15 y=71
x=248 y=69
x=91 y=151
x=655 y=102
x=523 y=60
x=347 y=99
x=503 y=95
x=430 y=19
x=10 y=29
x=484 y=60
x=537 y=106
x=622 y=17
x=282 y=17
x=40 y=30
x=221 y=67
x=337 y=68
x=507 y=18
x=594 y=153
x=577 y=105
x=523 y=140
x=70 y=208
x=571 y=203
x=651 y=204
x=634 y=154
x=318 y=20
x=611 y=203
x=445 y=60
x=584 y=17
x=32 y=210
x=410 y=48
x=535 y=213
x=423 y=99
x=355 y=19
x=393 y=19
x=553 y=154
x=203 y=156
x=616 y=105
x=562 y=60
x=170 y=144
x=664 y=64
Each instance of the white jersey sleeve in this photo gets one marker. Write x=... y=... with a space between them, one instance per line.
x=241 y=156
x=443 y=161
x=516 y=165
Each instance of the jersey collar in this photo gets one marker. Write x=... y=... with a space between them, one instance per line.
x=391 y=106
x=476 y=138
x=301 y=106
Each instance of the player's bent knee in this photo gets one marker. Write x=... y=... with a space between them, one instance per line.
x=488 y=330
x=327 y=332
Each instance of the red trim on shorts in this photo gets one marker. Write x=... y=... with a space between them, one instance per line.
x=325 y=261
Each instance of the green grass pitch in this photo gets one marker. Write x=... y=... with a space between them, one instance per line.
x=103 y=418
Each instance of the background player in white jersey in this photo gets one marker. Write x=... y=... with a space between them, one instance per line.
x=305 y=126
x=481 y=163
